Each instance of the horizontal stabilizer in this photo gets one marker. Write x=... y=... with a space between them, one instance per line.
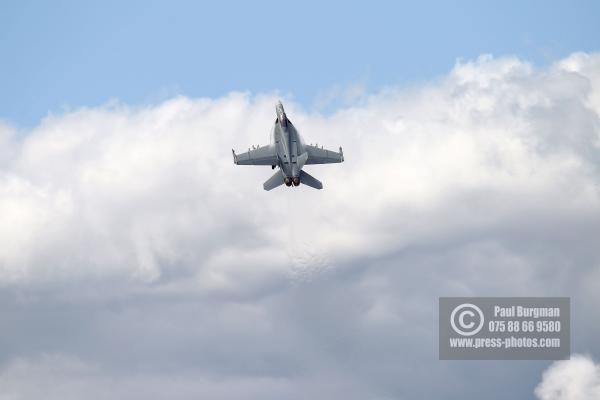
x=274 y=181
x=309 y=180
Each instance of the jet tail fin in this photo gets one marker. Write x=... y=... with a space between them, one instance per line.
x=310 y=180
x=274 y=181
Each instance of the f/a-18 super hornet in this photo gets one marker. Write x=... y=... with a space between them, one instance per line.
x=289 y=153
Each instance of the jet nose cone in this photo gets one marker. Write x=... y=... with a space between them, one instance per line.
x=279 y=107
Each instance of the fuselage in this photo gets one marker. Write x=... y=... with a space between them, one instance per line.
x=289 y=146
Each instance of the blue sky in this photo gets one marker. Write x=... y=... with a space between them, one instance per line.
x=65 y=54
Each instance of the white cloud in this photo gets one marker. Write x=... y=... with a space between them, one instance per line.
x=574 y=379
x=134 y=192
x=131 y=241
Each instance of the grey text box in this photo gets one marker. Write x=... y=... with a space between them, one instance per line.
x=504 y=328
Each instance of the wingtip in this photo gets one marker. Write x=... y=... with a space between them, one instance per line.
x=234 y=156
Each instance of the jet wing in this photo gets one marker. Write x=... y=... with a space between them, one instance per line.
x=317 y=155
x=265 y=155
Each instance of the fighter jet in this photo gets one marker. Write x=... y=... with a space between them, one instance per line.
x=289 y=154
